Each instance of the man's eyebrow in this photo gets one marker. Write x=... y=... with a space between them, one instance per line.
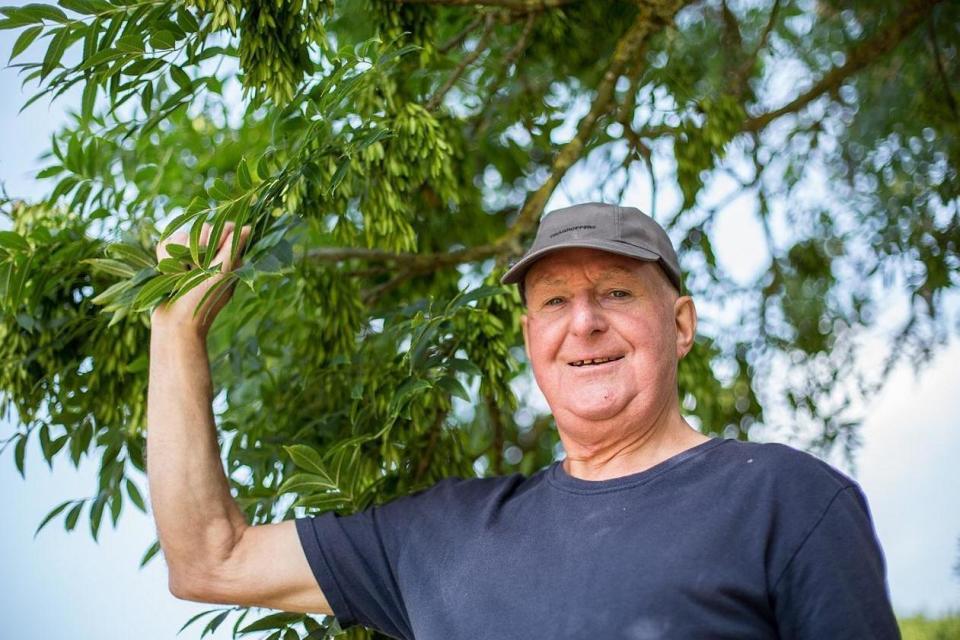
x=546 y=278
x=619 y=270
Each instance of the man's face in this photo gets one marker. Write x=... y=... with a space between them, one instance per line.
x=604 y=334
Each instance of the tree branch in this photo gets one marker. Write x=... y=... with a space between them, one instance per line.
x=938 y=60
x=651 y=17
x=481 y=120
x=857 y=59
x=468 y=59
x=496 y=421
x=457 y=39
x=743 y=73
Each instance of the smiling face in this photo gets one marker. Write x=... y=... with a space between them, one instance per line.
x=604 y=334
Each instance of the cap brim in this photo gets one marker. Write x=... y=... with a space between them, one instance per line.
x=516 y=272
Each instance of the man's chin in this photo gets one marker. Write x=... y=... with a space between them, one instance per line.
x=597 y=410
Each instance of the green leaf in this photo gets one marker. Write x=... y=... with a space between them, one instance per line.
x=196 y=229
x=110 y=267
x=116 y=505
x=146 y=97
x=142 y=66
x=315 y=631
x=308 y=459
x=178 y=75
x=464 y=366
x=195 y=618
x=111 y=293
x=214 y=623
x=55 y=51
x=163 y=39
x=476 y=294
x=96 y=514
x=171 y=265
x=50 y=516
x=178 y=251
x=130 y=44
x=86 y=7
x=339 y=175
x=49 y=172
x=25 y=40
x=18 y=454
x=409 y=389
x=154 y=290
x=101 y=57
x=454 y=387
x=135 y=496
x=38 y=12
x=71 y=520
x=306 y=483
x=219 y=190
x=186 y=21
x=273 y=621
x=13 y=241
x=88 y=100
x=150 y=552
x=244 y=178
x=131 y=254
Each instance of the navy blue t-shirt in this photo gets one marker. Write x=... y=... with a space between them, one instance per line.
x=725 y=540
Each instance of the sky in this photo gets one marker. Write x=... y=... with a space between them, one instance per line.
x=58 y=583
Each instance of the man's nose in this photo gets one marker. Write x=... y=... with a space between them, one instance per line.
x=588 y=317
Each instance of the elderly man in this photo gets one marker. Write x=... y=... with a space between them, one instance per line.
x=647 y=528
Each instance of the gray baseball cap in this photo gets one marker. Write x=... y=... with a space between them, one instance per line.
x=626 y=231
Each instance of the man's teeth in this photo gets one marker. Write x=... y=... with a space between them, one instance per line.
x=580 y=363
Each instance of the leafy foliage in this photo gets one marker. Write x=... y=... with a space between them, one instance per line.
x=392 y=156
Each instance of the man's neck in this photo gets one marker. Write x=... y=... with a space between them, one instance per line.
x=639 y=451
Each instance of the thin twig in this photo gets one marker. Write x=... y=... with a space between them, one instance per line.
x=744 y=72
x=496 y=421
x=468 y=59
x=424 y=464
x=457 y=39
x=951 y=102
x=515 y=52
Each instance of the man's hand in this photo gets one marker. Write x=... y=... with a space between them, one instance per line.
x=180 y=314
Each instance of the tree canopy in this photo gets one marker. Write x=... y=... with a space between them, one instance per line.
x=393 y=156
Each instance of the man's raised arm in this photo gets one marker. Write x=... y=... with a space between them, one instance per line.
x=213 y=555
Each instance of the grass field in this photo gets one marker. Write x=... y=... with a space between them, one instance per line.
x=922 y=628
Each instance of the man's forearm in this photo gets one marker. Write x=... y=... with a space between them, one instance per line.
x=198 y=522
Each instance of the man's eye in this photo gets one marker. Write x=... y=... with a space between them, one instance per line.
x=619 y=293
x=553 y=301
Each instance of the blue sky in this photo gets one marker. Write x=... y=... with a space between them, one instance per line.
x=59 y=584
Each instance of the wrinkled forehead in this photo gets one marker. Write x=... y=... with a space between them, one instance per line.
x=566 y=266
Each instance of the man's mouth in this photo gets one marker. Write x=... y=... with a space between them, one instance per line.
x=593 y=361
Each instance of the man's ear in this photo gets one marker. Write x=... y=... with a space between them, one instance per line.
x=685 y=315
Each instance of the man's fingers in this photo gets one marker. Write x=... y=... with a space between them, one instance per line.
x=228 y=262
x=179 y=237
x=223 y=245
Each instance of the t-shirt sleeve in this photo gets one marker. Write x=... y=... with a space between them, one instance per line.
x=354 y=561
x=835 y=586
